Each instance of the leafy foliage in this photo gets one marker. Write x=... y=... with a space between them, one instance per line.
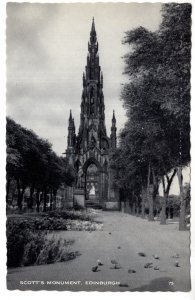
x=156 y=137
x=28 y=245
x=31 y=162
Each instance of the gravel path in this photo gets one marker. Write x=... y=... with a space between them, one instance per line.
x=122 y=238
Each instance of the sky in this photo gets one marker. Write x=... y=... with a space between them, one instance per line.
x=46 y=56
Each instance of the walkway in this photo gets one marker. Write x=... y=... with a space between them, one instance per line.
x=122 y=238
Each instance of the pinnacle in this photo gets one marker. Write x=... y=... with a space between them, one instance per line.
x=93 y=32
x=113 y=117
x=93 y=25
x=70 y=117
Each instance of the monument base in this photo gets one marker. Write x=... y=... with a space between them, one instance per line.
x=79 y=198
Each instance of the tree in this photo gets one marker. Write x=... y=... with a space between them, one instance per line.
x=16 y=146
x=157 y=100
x=32 y=163
x=175 y=32
x=146 y=135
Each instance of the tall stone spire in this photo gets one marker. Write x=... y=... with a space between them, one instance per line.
x=90 y=150
x=113 y=119
x=70 y=117
x=92 y=104
x=113 y=132
x=93 y=68
x=71 y=131
x=93 y=37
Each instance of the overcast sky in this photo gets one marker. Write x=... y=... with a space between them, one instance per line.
x=46 y=56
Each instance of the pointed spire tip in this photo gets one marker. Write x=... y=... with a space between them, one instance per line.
x=93 y=25
x=113 y=117
x=70 y=117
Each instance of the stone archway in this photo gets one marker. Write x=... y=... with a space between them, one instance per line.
x=92 y=184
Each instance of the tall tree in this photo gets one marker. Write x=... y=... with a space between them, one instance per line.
x=175 y=32
x=157 y=99
x=32 y=163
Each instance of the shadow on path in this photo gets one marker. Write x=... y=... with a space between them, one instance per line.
x=162 y=284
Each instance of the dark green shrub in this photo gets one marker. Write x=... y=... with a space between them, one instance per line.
x=55 y=250
x=48 y=223
x=33 y=248
x=18 y=235
x=82 y=215
x=28 y=246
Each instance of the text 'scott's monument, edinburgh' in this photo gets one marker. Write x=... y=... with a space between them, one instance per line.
x=89 y=151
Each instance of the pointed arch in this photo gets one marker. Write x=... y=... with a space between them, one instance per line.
x=90 y=161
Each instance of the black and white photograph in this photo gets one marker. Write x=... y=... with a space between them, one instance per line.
x=98 y=174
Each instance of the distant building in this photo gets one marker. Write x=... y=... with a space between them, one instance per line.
x=89 y=151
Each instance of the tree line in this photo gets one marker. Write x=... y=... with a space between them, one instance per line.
x=31 y=163
x=154 y=144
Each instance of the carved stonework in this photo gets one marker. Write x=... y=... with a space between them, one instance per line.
x=92 y=147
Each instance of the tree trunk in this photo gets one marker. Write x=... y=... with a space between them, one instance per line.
x=19 y=198
x=38 y=207
x=132 y=203
x=130 y=208
x=151 y=209
x=38 y=200
x=54 y=203
x=30 y=201
x=142 y=203
x=149 y=197
x=20 y=195
x=163 y=205
x=137 y=211
x=154 y=194
x=136 y=206
x=169 y=182
x=143 y=209
x=155 y=187
x=166 y=195
x=54 y=199
x=51 y=201
x=133 y=208
x=19 y=202
x=45 y=201
x=182 y=223
x=163 y=211
x=169 y=213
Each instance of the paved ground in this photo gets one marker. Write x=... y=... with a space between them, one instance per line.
x=132 y=235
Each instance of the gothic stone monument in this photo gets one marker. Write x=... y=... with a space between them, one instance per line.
x=90 y=150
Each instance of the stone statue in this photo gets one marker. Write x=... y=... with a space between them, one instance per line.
x=92 y=190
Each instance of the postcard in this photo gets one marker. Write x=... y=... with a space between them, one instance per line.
x=98 y=146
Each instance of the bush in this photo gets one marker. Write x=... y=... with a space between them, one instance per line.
x=55 y=250
x=33 y=248
x=28 y=246
x=49 y=223
x=18 y=235
x=82 y=215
